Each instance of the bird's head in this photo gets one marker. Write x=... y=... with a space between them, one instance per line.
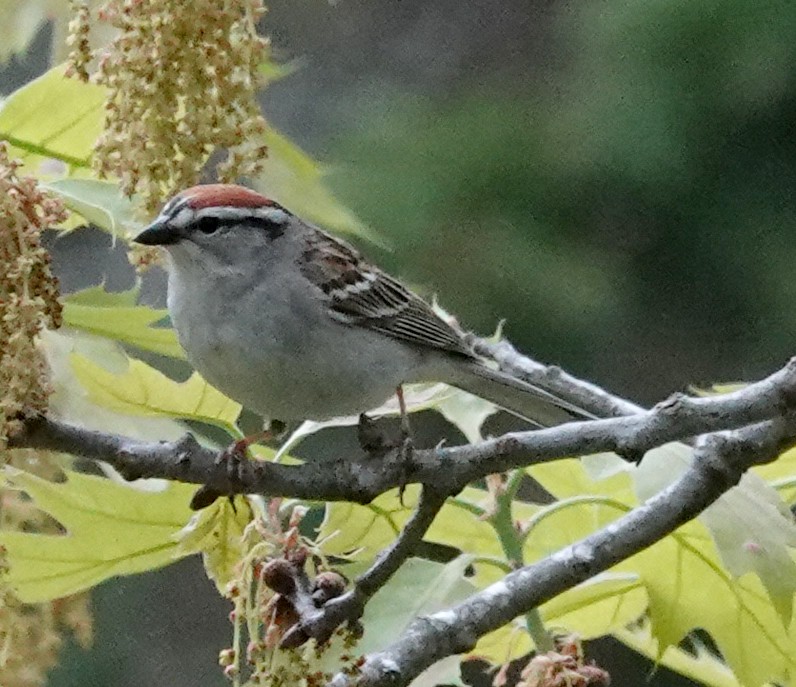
x=217 y=225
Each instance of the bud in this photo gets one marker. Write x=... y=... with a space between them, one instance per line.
x=279 y=575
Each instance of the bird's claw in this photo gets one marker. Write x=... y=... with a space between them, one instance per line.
x=234 y=458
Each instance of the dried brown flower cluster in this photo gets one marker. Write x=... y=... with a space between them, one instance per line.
x=269 y=585
x=182 y=78
x=563 y=667
x=79 y=29
x=29 y=635
x=28 y=291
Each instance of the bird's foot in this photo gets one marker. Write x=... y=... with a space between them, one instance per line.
x=234 y=458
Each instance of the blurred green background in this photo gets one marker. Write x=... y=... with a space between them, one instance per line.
x=613 y=177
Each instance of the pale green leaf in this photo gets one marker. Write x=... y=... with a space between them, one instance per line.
x=753 y=530
x=417 y=397
x=703 y=667
x=274 y=71
x=296 y=180
x=763 y=545
x=504 y=644
x=100 y=203
x=366 y=530
x=568 y=478
x=143 y=390
x=592 y=609
x=467 y=412
x=93 y=311
x=111 y=529
x=598 y=606
x=698 y=593
x=781 y=475
x=70 y=401
x=217 y=533
x=458 y=526
x=677 y=573
x=73 y=121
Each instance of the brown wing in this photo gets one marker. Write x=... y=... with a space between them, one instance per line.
x=362 y=295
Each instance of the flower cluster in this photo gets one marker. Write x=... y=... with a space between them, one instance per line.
x=269 y=585
x=78 y=40
x=28 y=292
x=30 y=635
x=181 y=79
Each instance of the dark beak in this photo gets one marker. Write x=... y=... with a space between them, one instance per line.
x=159 y=233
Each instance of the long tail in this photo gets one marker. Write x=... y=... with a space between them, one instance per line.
x=520 y=398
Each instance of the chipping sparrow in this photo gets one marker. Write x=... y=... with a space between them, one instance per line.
x=295 y=325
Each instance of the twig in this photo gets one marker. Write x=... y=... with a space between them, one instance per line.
x=321 y=623
x=551 y=378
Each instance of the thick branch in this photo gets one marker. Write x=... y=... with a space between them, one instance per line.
x=720 y=461
x=449 y=469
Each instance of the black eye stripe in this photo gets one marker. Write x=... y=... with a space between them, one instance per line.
x=210 y=224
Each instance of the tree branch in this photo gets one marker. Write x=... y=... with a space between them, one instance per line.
x=760 y=416
x=719 y=462
x=321 y=623
x=553 y=379
x=449 y=469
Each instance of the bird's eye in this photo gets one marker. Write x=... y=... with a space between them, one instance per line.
x=208 y=225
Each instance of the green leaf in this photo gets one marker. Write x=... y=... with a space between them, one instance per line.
x=98 y=297
x=751 y=527
x=598 y=606
x=686 y=586
x=274 y=71
x=349 y=527
x=703 y=667
x=117 y=317
x=54 y=117
x=143 y=390
x=99 y=202
x=296 y=180
x=112 y=529
x=217 y=533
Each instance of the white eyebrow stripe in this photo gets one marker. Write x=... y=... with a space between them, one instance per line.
x=187 y=216
x=181 y=220
x=270 y=214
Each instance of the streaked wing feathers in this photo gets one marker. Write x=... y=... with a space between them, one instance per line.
x=360 y=294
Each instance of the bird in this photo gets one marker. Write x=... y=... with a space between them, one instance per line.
x=295 y=324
